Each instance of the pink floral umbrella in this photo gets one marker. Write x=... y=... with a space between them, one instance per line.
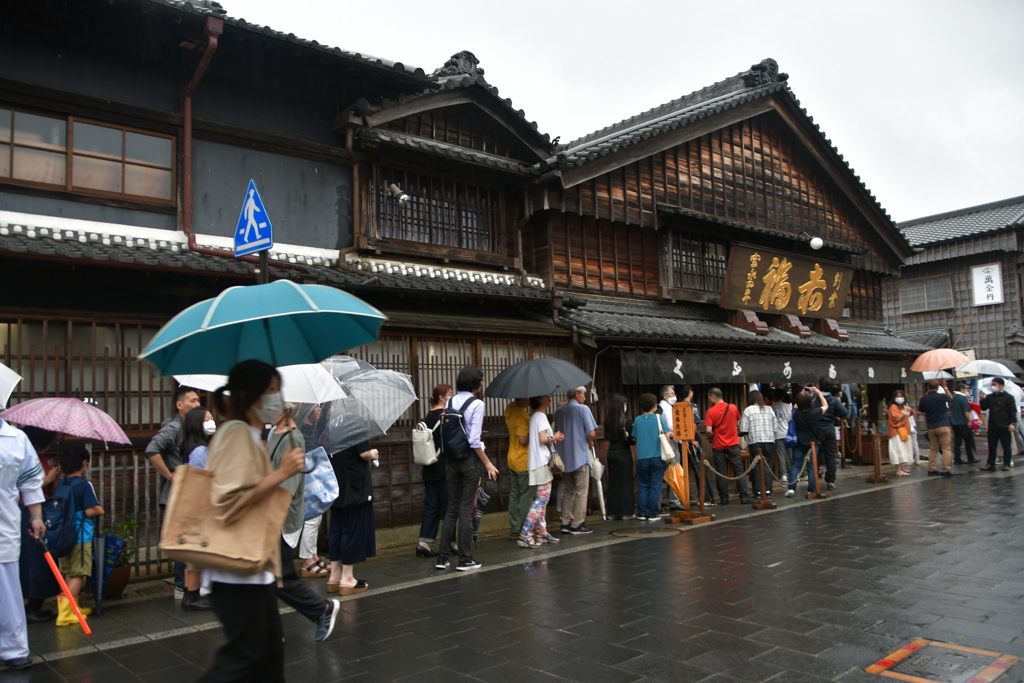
x=68 y=416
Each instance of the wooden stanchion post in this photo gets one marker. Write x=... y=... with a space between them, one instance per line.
x=818 y=493
x=878 y=477
x=699 y=517
x=764 y=503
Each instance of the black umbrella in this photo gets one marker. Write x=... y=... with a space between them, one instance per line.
x=1015 y=368
x=536 y=377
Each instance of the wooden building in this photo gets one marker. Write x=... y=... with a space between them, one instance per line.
x=673 y=246
x=964 y=284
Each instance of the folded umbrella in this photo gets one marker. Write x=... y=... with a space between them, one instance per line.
x=536 y=377
x=596 y=472
x=8 y=380
x=68 y=416
x=281 y=323
x=676 y=478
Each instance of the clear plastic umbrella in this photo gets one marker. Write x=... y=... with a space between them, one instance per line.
x=8 y=380
x=375 y=400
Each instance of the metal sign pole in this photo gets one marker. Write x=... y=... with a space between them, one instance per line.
x=262 y=276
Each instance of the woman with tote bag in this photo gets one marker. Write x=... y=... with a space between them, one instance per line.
x=246 y=604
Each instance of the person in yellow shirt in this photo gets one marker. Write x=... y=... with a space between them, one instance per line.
x=520 y=494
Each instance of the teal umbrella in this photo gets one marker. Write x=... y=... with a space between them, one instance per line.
x=280 y=323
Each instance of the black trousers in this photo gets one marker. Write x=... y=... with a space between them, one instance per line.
x=732 y=453
x=965 y=435
x=463 y=481
x=295 y=592
x=827 y=453
x=768 y=451
x=255 y=648
x=997 y=436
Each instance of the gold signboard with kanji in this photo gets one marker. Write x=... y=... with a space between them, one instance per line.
x=769 y=281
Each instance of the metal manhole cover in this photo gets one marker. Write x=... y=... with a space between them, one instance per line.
x=928 y=661
x=646 y=532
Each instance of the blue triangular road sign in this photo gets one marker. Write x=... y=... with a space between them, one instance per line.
x=254 y=232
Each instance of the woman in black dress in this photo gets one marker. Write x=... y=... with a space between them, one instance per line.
x=617 y=430
x=353 y=537
x=435 y=481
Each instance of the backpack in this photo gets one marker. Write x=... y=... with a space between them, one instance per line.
x=59 y=515
x=423 y=450
x=791 y=440
x=454 y=435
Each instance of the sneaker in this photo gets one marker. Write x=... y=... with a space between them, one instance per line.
x=325 y=624
x=785 y=479
x=179 y=593
x=581 y=529
x=662 y=513
x=934 y=473
x=565 y=529
x=950 y=474
x=641 y=518
x=1006 y=468
x=468 y=564
x=830 y=485
x=790 y=493
x=442 y=563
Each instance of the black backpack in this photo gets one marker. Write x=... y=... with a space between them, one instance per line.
x=59 y=517
x=454 y=435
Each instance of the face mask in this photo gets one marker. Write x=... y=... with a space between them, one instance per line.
x=270 y=408
x=996 y=389
x=671 y=400
x=900 y=400
x=209 y=427
x=625 y=409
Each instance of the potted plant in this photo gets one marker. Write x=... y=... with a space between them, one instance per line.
x=120 y=557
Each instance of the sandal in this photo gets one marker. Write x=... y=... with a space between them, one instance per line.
x=360 y=587
x=527 y=542
x=332 y=586
x=547 y=538
x=315 y=570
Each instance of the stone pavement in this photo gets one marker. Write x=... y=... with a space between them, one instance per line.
x=811 y=591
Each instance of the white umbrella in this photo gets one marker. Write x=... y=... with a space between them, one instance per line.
x=8 y=380
x=310 y=383
x=936 y=374
x=985 y=367
x=1012 y=389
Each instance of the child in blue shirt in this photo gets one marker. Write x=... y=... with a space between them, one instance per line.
x=77 y=564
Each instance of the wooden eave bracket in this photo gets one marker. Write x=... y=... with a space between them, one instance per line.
x=830 y=328
x=792 y=324
x=748 y=320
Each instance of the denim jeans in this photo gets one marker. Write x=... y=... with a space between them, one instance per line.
x=435 y=504
x=799 y=453
x=650 y=472
x=463 y=481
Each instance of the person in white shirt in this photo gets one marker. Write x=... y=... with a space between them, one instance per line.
x=758 y=422
x=668 y=399
x=783 y=409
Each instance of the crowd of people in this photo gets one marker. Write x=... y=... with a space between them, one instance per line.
x=248 y=463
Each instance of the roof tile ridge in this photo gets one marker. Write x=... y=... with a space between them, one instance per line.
x=955 y=213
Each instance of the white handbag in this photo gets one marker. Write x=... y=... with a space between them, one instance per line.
x=668 y=451
x=423 y=450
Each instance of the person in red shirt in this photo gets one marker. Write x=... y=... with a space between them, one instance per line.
x=722 y=422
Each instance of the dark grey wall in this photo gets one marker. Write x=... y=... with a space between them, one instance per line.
x=21 y=203
x=309 y=203
x=88 y=71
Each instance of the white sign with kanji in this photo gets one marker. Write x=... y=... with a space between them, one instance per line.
x=987 y=284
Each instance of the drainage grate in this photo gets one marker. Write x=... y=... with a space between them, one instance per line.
x=646 y=532
x=928 y=661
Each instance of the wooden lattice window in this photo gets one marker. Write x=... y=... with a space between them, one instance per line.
x=931 y=294
x=865 y=301
x=439 y=211
x=696 y=261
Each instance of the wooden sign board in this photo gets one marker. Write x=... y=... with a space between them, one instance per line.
x=769 y=281
x=683 y=428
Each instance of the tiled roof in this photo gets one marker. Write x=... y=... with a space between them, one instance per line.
x=761 y=80
x=641 y=320
x=967 y=222
x=215 y=9
x=463 y=71
x=934 y=339
x=165 y=249
x=444 y=149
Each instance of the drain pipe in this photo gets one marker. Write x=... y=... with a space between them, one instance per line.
x=214 y=29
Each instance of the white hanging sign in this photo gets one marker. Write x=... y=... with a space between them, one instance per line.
x=987 y=284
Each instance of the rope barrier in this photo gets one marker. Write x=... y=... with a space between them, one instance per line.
x=753 y=462
x=803 y=468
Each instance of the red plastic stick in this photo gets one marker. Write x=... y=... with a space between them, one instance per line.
x=67 y=593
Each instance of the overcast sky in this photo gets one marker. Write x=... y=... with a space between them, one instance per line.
x=924 y=99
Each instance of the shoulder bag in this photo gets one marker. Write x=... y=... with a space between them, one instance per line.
x=321 y=484
x=791 y=439
x=668 y=451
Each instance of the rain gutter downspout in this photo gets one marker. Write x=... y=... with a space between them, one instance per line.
x=213 y=30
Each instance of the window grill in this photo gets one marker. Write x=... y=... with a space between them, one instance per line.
x=931 y=294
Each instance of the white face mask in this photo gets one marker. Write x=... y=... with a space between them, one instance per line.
x=625 y=409
x=900 y=400
x=270 y=408
x=209 y=427
x=996 y=389
x=671 y=400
